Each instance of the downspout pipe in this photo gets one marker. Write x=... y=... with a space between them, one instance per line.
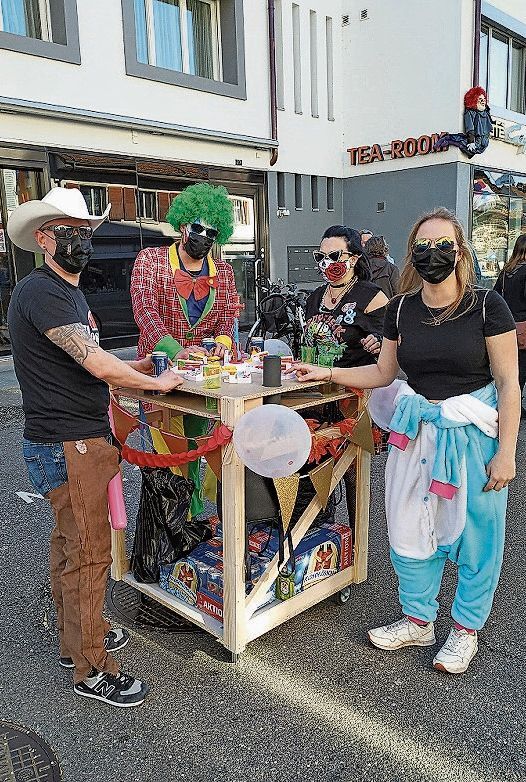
x=273 y=80
x=476 y=42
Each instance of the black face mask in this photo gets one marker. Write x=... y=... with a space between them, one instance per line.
x=434 y=266
x=72 y=255
x=197 y=246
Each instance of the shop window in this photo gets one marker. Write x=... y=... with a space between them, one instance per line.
x=330 y=194
x=502 y=67
x=241 y=211
x=280 y=186
x=45 y=28
x=186 y=41
x=147 y=205
x=498 y=217
x=298 y=191
x=96 y=198
x=314 y=193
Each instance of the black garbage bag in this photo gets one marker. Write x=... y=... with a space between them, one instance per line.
x=163 y=532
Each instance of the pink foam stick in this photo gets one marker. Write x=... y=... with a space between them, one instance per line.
x=117 y=508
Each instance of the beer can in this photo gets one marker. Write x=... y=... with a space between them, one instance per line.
x=285 y=585
x=258 y=344
x=208 y=343
x=160 y=364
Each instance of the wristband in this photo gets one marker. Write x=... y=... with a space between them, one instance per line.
x=330 y=376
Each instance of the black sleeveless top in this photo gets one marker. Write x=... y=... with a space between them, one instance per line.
x=347 y=323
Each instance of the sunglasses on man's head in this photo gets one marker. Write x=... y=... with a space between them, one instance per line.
x=445 y=243
x=69 y=231
x=197 y=228
x=333 y=257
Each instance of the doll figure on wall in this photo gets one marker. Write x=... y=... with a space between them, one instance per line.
x=477 y=125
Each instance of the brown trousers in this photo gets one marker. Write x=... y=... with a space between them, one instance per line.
x=81 y=554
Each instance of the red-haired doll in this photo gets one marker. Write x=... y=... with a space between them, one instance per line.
x=477 y=125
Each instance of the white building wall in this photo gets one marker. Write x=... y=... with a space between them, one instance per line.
x=101 y=84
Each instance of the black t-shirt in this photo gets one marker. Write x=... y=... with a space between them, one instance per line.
x=62 y=401
x=451 y=358
x=512 y=287
x=347 y=323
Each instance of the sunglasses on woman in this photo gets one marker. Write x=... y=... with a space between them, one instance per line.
x=69 y=231
x=445 y=243
x=197 y=228
x=333 y=257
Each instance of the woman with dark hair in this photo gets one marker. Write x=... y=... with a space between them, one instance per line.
x=454 y=426
x=384 y=272
x=346 y=313
x=511 y=284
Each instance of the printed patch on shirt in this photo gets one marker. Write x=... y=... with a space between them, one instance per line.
x=350 y=313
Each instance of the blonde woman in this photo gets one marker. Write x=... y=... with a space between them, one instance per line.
x=511 y=284
x=453 y=434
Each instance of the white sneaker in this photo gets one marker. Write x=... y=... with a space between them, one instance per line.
x=402 y=633
x=458 y=651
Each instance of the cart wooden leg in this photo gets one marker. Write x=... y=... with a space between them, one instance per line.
x=234 y=618
x=120 y=565
x=363 y=493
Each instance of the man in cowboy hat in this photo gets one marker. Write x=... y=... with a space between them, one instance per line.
x=64 y=376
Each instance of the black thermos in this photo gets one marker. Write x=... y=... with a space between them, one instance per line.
x=272 y=378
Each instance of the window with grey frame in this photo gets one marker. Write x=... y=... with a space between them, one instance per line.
x=280 y=187
x=45 y=28
x=502 y=67
x=197 y=44
x=314 y=194
x=298 y=191
x=330 y=194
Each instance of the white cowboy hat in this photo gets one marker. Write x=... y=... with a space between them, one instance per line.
x=32 y=215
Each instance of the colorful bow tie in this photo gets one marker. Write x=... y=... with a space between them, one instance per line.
x=185 y=285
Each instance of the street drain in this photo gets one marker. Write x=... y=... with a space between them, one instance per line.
x=132 y=606
x=25 y=757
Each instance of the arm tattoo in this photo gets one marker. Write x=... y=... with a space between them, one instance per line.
x=74 y=339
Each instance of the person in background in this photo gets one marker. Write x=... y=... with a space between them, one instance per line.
x=384 y=273
x=346 y=312
x=181 y=295
x=365 y=235
x=68 y=450
x=454 y=431
x=511 y=284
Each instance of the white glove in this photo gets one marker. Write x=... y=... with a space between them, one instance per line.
x=472 y=147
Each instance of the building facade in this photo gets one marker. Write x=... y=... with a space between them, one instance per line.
x=311 y=113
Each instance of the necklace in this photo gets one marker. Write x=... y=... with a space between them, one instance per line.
x=346 y=288
x=435 y=319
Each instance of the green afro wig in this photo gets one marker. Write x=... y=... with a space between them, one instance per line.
x=203 y=202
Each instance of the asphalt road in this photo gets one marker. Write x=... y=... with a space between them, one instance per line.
x=310 y=700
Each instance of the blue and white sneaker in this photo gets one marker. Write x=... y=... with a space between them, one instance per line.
x=115 y=639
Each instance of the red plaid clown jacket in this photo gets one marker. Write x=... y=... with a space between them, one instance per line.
x=157 y=309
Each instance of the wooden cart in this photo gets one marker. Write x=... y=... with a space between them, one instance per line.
x=243 y=617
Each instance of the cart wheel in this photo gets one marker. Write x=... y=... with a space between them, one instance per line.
x=343 y=595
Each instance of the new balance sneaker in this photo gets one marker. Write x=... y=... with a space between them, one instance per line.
x=116 y=689
x=458 y=651
x=115 y=639
x=402 y=633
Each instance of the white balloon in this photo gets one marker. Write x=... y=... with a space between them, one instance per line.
x=272 y=441
x=276 y=347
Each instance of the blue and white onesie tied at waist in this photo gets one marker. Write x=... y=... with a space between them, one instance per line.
x=435 y=503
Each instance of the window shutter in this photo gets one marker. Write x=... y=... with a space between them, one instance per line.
x=164 y=205
x=115 y=197
x=130 y=204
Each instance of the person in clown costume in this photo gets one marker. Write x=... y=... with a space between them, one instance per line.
x=180 y=295
x=477 y=125
x=454 y=426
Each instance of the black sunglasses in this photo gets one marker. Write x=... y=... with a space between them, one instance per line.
x=197 y=228
x=69 y=231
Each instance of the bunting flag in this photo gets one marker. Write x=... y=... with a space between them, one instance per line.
x=214 y=462
x=321 y=478
x=287 y=491
x=124 y=423
x=362 y=434
x=167 y=443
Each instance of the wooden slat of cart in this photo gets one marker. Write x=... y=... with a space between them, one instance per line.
x=300 y=529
